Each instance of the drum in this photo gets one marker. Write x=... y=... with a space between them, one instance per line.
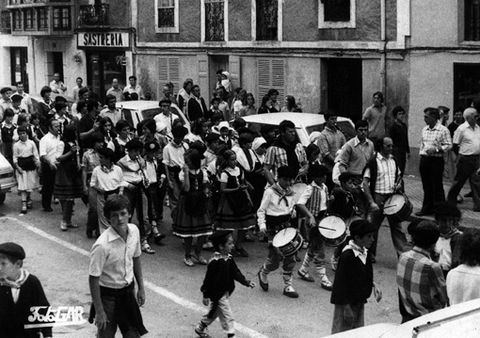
x=398 y=207
x=333 y=230
x=288 y=241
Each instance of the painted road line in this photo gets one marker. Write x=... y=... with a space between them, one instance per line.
x=155 y=288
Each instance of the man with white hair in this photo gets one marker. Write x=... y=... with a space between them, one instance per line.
x=466 y=143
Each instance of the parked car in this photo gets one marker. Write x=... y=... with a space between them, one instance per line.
x=305 y=124
x=460 y=320
x=136 y=111
x=7 y=178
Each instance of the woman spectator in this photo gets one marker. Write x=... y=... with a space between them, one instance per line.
x=191 y=219
x=266 y=107
x=290 y=105
x=239 y=102
x=68 y=178
x=249 y=106
x=235 y=208
x=106 y=128
x=463 y=281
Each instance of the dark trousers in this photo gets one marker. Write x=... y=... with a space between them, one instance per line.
x=155 y=198
x=48 y=182
x=431 y=172
x=401 y=157
x=466 y=168
x=399 y=238
x=134 y=195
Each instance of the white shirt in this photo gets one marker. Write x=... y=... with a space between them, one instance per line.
x=115 y=115
x=131 y=169
x=173 y=155
x=51 y=147
x=462 y=284
x=107 y=181
x=58 y=87
x=242 y=158
x=162 y=119
x=386 y=172
x=137 y=90
x=468 y=139
x=272 y=206
x=111 y=258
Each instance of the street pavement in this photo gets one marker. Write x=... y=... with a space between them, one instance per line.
x=173 y=305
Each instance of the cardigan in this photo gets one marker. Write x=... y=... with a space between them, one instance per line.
x=353 y=280
x=13 y=316
x=222 y=272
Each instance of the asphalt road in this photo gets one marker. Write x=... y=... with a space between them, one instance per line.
x=173 y=305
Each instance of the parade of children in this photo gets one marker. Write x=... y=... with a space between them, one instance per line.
x=205 y=195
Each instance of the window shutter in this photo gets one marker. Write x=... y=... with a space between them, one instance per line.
x=203 y=76
x=270 y=75
x=168 y=71
x=234 y=68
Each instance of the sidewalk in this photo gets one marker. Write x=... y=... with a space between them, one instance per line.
x=414 y=191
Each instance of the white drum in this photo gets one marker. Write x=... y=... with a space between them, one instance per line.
x=288 y=241
x=333 y=229
x=398 y=206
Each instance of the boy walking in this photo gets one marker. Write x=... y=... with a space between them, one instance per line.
x=353 y=279
x=114 y=262
x=219 y=283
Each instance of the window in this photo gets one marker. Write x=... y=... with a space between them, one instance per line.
x=214 y=18
x=336 y=13
x=5 y=21
x=472 y=20
x=168 y=71
x=166 y=16
x=42 y=19
x=29 y=19
x=267 y=19
x=17 y=20
x=61 y=18
x=270 y=75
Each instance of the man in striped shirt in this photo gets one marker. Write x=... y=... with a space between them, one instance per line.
x=381 y=179
x=436 y=141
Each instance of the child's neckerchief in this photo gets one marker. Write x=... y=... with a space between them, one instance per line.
x=358 y=251
x=283 y=193
x=218 y=255
x=17 y=284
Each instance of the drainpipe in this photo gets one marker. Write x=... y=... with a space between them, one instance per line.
x=383 y=38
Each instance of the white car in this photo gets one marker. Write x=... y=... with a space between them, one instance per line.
x=136 y=111
x=460 y=320
x=305 y=124
x=7 y=178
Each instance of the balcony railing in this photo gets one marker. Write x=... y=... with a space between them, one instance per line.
x=93 y=15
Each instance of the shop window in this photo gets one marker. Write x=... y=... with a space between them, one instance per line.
x=270 y=75
x=42 y=19
x=61 y=18
x=29 y=19
x=214 y=19
x=472 y=20
x=267 y=19
x=166 y=16
x=17 y=20
x=336 y=13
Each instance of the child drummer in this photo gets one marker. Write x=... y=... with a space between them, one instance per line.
x=313 y=203
x=274 y=215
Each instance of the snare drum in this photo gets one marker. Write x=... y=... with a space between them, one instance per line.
x=333 y=230
x=288 y=241
x=398 y=207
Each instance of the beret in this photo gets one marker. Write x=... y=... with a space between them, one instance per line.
x=361 y=227
x=12 y=249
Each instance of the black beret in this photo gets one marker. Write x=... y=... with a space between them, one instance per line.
x=361 y=227
x=13 y=250
x=179 y=131
x=344 y=177
x=151 y=146
x=134 y=144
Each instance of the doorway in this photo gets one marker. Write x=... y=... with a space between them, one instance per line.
x=54 y=65
x=466 y=84
x=102 y=68
x=344 y=87
x=18 y=66
x=215 y=63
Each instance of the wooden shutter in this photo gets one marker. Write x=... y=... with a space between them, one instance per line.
x=234 y=69
x=203 y=81
x=168 y=71
x=270 y=75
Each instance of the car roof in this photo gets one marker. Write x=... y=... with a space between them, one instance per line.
x=300 y=119
x=135 y=105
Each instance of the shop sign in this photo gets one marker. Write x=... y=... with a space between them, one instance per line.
x=103 y=39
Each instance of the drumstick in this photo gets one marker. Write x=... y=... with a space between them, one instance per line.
x=331 y=229
x=390 y=206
